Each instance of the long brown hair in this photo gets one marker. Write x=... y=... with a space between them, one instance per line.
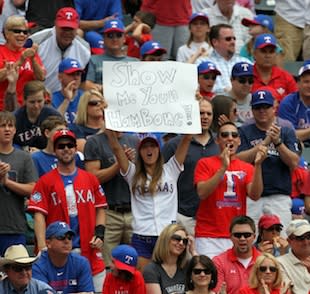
x=140 y=177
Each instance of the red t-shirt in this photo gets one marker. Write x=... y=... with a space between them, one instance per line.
x=281 y=80
x=228 y=200
x=115 y=285
x=248 y=290
x=133 y=46
x=26 y=73
x=299 y=180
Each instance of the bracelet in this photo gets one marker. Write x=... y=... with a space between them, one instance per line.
x=99 y=232
x=278 y=144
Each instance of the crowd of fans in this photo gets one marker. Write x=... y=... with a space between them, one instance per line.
x=225 y=211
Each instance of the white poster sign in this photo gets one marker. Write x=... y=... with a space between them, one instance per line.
x=151 y=97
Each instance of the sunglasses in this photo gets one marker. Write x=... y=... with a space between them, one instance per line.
x=301 y=238
x=17 y=31
x=19 y=268
x=244 y=234
x=64 y=237
x=64 y=145
x=198 y=271
x=209 y=77
x=227 y=134
x=114 y=35
x=243 y=80
x=274 y=228
x=272 y=269
x=261 y=106
x=179 y=239
x=230 y=38
x=95 y=102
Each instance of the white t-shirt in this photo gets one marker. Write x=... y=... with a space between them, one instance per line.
x=152 y=213
x=185 y=52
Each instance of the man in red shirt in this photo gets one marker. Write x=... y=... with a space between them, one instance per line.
x=266 y=73
x=235 y=264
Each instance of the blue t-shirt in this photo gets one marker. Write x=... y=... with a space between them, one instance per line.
x=70 y=113
x=276 y=174
x=74 y=277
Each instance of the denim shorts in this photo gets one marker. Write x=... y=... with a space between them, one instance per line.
x=144 y=245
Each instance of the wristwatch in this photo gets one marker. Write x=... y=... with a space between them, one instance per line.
x=279 y=143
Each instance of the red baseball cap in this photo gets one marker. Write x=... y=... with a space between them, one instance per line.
x=63 y=134
x=269 y=220
x=67 y=17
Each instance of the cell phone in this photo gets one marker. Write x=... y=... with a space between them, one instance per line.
x=28 y=43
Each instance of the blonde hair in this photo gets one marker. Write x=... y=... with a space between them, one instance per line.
x=162 y=249
x=81 y=114
x=254 y=282
x=14 y=21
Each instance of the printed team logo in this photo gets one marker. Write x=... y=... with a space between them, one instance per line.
x=74 y=64
x=36 y=197
x=128 y=259
x=101 y=190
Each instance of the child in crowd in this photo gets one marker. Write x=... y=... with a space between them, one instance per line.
x=207 y=73
x=152 y=51
x=124 y=278
x=197 y=47
x=139 y=32
x=261 y=24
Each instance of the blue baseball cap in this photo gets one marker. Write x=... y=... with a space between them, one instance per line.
x=298 y=206
x=69 y=65
x=57 y=229
x=262 y=97
x=125 y=258
x=150 y=47
x=303 y=69
x=207 y=66
x=265 y=40
x=95 y=41
x=113 y=25
x=199 y=15
x=242 y=69
x=260 y=19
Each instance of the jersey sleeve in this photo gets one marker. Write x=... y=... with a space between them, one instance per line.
x=38 y=199
x=100 y=198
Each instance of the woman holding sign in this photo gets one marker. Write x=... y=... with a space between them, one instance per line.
x=153 y=186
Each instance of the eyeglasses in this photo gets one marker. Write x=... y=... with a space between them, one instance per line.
x=179 y=239
x=274 y=228
x=198 y=271
x=227 y=134
x=209 y=77
x=62 y=146
x=261 y=106
x=17 y=31
x=243 y=80
x=95 y=102
x=272 y=269
x=301 y=238
x=244 y=234
x=230 y=38
x=64 y=237
x=19 y=268
x=114 y=35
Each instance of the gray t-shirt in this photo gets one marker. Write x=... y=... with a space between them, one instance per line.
x=154 y=274
x=12 y=209
x=97 y=148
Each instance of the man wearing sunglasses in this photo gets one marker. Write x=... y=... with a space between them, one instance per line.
x=241 y=81
x=296 y=263
x=17 y=265
x=224 y=56
x=282 y=157
x=74 y=196
x=223 y=183
x=63 y=270
x=114 y=38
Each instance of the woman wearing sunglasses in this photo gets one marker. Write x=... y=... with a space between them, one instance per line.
x=166 y=273
x=269 y=239
x=27 y=62
x=201 y=275
x=89 y=117
x=266 y=277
